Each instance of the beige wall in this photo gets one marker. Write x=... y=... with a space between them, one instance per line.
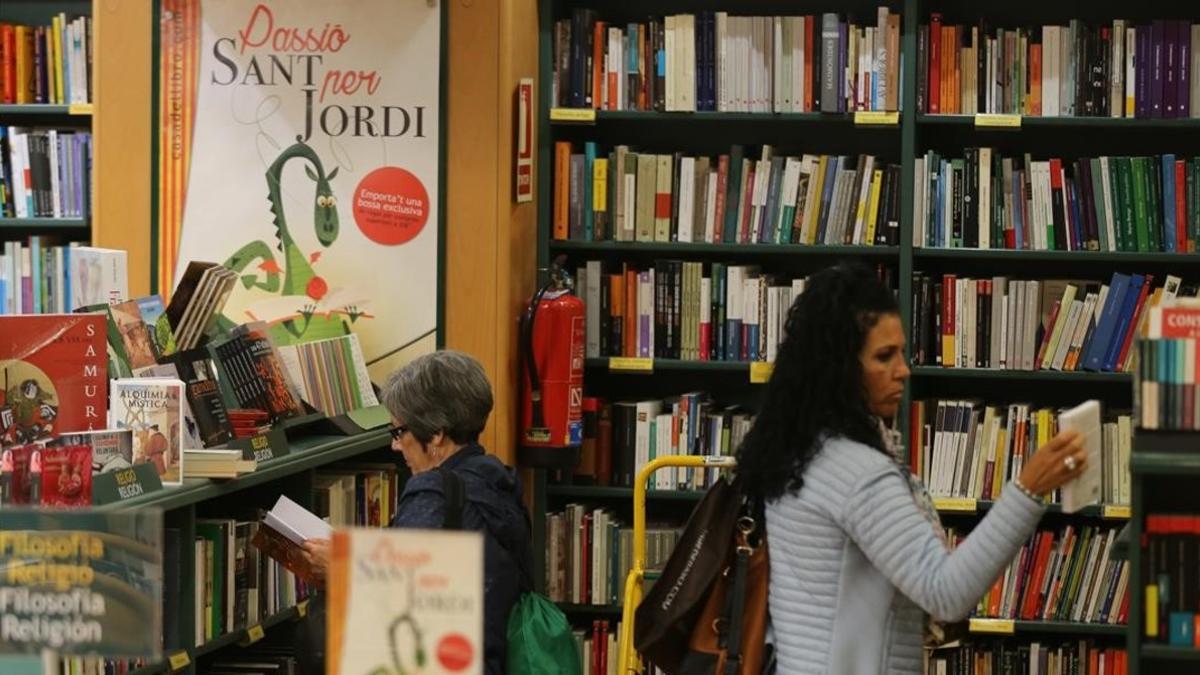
x=490 y=241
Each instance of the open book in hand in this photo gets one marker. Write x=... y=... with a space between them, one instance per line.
x=283 y=532
x=1084 y=489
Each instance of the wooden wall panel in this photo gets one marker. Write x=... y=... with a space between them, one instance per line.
x=122 y=169
x=490 y=247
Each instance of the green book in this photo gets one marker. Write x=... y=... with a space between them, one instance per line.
x=1101 y=204
x=1128 y=207
x=1153 y=166
x=1140 y=196
x=213 y=532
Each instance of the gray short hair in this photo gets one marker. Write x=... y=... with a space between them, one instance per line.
x=446 y=391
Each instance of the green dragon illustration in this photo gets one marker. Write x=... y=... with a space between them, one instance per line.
x=297 y=277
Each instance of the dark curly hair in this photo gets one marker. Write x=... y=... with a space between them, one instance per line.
x=816 y=387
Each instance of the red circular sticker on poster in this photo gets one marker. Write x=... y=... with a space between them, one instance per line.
x=391 y=206
x=455 y=653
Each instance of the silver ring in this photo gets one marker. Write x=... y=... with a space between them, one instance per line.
x=1070 y=462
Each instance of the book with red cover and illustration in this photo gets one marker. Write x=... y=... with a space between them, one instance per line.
x=66 y=475
x=14 y=474
x=53 y=376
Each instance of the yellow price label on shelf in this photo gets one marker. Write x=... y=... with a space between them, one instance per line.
x=877 y=117
x=254 y=634
x=573 y=115
x=631 y=364
x=956 y=504
x=1003 y=121
x=1121 y=511
x=302 y=609
x=80 y=109
x=760 y=371
x=994 y=626
x=178 y=661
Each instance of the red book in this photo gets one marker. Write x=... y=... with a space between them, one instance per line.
x=595 y=656
x=948 y=306
x=746 y=205
x=599 y=42
x=585 y=556
x=722 y=186
x=8 y=63
x=631 y=313
x=1046 y=335
x=809 y=24
x=935 y=63
x=603 y=646
x=67 y=475
x=54 y=377
x=1035 y=576
x=14 y=474
x=1135 y=323
x=1035 y=83
x=1181 y=221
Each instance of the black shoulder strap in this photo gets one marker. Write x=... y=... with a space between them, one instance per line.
x=456 y=499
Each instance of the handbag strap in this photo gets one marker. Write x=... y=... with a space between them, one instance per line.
x=456 y=499
x=737 y=607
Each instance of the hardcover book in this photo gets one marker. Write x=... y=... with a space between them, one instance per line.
x=135 y=335
x=199 y=375
x=66 y=475
x=154 y=315
x=282 y=534
x=53 y=372
x=153 y=409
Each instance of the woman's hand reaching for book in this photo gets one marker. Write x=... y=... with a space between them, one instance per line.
x=1062 y=459
x=316 y=554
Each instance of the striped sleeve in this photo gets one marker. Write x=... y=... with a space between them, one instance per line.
x=885 y=522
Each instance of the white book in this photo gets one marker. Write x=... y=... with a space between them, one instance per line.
x=1116 y=94
x=1084 y=489
x=153 y=409
x=722 y=55
x=1131 y=70
x=1050 y=70
x=98 y=276
x=1070 y=327
x=1109 y=204
x=688 y=103
x=780 y=63
x=672 y=66
x=687 y=198
x=985 y=198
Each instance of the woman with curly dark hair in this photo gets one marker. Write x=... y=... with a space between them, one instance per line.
x=858 y=555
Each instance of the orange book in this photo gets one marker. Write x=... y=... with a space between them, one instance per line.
x=616 y=310
x=562 y=189
x=599 y=42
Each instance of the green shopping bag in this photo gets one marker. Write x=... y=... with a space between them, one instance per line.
x=540 y=640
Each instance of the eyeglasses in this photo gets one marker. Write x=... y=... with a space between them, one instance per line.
x=397 y=430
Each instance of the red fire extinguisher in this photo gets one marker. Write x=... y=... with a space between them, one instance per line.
x=552 y=348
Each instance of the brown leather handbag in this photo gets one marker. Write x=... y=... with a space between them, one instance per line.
x=729 y=636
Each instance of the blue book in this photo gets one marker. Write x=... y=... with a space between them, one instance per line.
x=1124 y=318
x=1183 y=629
x=1168 y=175
x=1094 y=356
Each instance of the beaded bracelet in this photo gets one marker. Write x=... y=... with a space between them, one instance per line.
x=1025 y=491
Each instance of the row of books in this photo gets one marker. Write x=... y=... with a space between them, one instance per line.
x=971 y=450
x=622 y=437
x=986 y=657
x=39 y=277
x=590 y=552
x=236 y=585
x=1062 y=575
x=986 y=201
x=731 y=198
x=671 y=310
x=356 y=495
x=599 y=648
x=46 y=64
x=1052 y=324
x=1122 y=69
x=70 y=665
x=711 y=61
x=1171 y=549
x=45 y=173
x=1168 y=373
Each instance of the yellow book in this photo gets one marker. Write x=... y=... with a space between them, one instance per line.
x=1151 y=610
x=24 y=58
x=600 y=185
x=873 y=206
x=814 y=210
x=1000 y=461
x=56 y=58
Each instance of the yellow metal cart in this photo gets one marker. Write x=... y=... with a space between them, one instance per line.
x=630 y=661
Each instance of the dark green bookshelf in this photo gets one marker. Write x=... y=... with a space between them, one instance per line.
x=610 y=248
x=238 y=636
x=46 y=110
x=1167 y=463
x=1114 y=258
x=705 y=132
x=603 y=116
x=304 y=454
x=994 y=375
x=1169 y=653
x=33 y=224
x=1073 y=123
x=610 y=494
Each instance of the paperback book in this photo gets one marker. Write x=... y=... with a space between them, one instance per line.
x=153 y=410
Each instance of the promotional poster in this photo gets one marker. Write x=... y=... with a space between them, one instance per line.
x=299 y=147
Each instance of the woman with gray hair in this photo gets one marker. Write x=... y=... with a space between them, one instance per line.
x=439 y=404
